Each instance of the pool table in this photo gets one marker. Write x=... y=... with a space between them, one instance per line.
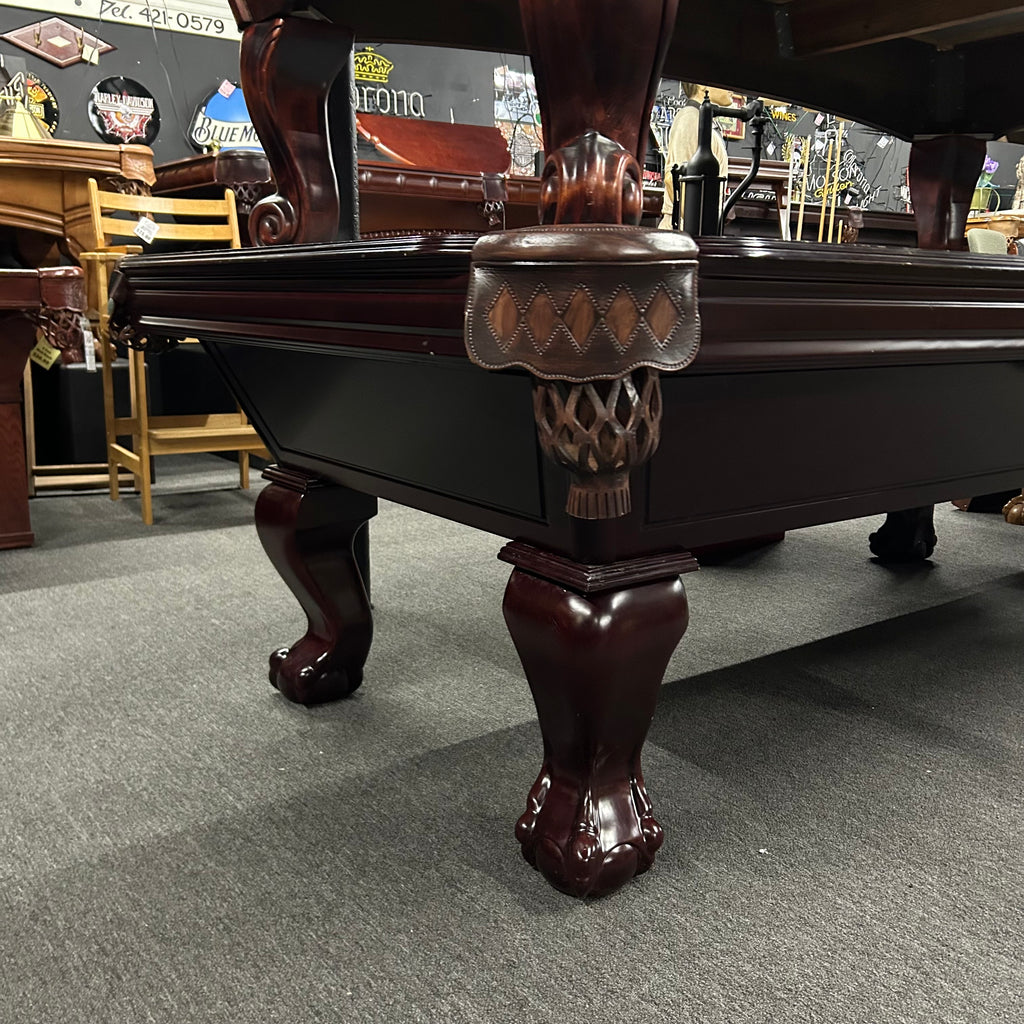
x=605 y=396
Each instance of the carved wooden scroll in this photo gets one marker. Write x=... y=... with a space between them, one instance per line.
x=289 y=67
x=597 y=66
x=126 y=186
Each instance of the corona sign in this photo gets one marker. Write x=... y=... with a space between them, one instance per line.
x=370 y=66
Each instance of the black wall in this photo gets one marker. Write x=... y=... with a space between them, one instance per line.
x=181 y=70
x=194 y=65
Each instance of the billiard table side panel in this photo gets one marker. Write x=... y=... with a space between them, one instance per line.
x=439 y=425
x=830 y=384
x=743 y=453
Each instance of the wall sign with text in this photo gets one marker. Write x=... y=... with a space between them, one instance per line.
x=38 y=97
x=42 y=103
x=370 y=92
x=222 y=121
x=122 y=110
x=196 y=17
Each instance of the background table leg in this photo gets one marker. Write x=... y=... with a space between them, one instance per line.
x=17 y=336
x=311 y=531
x=905 y=536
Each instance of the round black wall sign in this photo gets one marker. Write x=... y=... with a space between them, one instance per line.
x=42 y=103
x=122 y=110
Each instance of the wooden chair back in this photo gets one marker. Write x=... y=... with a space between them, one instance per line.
x=209 y=222
x=219 y=217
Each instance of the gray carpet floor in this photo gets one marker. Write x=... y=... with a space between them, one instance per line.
x=837 y=759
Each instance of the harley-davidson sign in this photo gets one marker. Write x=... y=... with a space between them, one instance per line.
x=122 y=110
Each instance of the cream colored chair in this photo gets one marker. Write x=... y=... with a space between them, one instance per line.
x=986 y=240
x=157 y=435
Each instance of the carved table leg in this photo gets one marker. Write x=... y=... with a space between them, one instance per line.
x=309 y=530
x=943 y=173
x=288 y=69
x=17 y=336
x=594 y=662
x=1013 y=511
x=906 y=536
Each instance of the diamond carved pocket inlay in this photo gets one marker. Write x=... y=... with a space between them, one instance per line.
x=662 y=316
x=622 y=317
x=503 y=316
x=580 y=318
x=541 y=319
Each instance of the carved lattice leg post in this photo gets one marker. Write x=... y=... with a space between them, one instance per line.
x=595 y=308
x=594 y=640
x=594 y=644
x=312 y=531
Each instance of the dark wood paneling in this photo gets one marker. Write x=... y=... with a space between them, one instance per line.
x=806 y=443
x=826 y=385
x=439 y=424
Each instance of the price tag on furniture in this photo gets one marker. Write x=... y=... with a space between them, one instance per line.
x=44 y=354
x=88 y=344
x=147 y=229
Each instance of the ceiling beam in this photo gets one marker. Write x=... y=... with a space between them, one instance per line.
x=825 y=26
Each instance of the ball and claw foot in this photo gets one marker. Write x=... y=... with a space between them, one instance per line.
x=311 y=680
x=589 y=853
x=907 y=536
x=1013 y=511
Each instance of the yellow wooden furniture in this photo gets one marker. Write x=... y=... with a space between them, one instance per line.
x=1009 y=222
x=210 y=222
x=44 y=198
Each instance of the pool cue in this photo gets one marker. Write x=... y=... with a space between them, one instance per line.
x=787 y=224
x=835 y=190
x=824 y=191
x=803 y=191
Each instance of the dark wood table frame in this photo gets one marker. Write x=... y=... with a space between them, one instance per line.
x=647 y=395
x=31 y=301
